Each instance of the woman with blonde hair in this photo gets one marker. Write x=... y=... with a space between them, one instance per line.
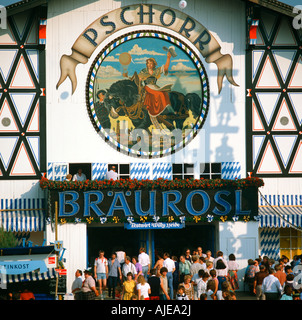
x=143 y=288
x=189 y=289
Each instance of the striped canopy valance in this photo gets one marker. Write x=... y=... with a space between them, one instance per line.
x=31 y=276
x=22 y=214
x=280 y=210
x=280 y=217
x=280 y=200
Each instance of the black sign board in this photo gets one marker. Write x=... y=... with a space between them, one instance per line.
x=122 y=203
x=61 y=285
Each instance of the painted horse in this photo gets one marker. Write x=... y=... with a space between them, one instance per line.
x=123 y=99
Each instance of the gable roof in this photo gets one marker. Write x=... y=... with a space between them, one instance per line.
x=13 y=6
x=284 y=7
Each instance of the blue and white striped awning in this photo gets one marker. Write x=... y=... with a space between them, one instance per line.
x=277 y=211
x=280 y=211
x=280 y=200
x=31 y=276
x=22 y=214
x=280 y=217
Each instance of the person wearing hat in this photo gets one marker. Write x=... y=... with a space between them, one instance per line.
x=89 y=291
x=101 y=109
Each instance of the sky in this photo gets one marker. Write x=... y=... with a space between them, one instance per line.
x=292 y=2
x=182 y=71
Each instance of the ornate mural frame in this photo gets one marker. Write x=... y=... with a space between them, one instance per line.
x=205 y=90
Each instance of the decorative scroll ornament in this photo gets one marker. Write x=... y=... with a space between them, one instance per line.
x=150 y=15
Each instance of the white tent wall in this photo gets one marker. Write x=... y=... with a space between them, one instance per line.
x=284 y=186
x=74 y=238
x=240 y=239
x=15 y=189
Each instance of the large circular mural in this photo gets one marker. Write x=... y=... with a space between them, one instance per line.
x=147 y=94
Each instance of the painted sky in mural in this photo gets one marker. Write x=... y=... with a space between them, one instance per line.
x=182 y=72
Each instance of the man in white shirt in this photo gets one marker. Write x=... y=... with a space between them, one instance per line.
x=112 y=174
x=200 y=253
x=271 y=286
x=101 y=271
x=201 y=284
x=144 y=260
x=79 y=176
x=170 y=265
x=209 y=256
x=129 y=267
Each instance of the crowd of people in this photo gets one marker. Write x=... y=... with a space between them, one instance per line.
x=128 y=278
x=268 y=279
x=192 y=276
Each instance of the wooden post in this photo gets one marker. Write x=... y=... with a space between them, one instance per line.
x=56 y=220
x=56 y=239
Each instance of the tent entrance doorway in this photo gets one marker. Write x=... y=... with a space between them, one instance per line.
x=175 y=242
x=111 y=239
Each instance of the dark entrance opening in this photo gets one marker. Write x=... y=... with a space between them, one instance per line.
x=111 y=239
x=175 y=242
